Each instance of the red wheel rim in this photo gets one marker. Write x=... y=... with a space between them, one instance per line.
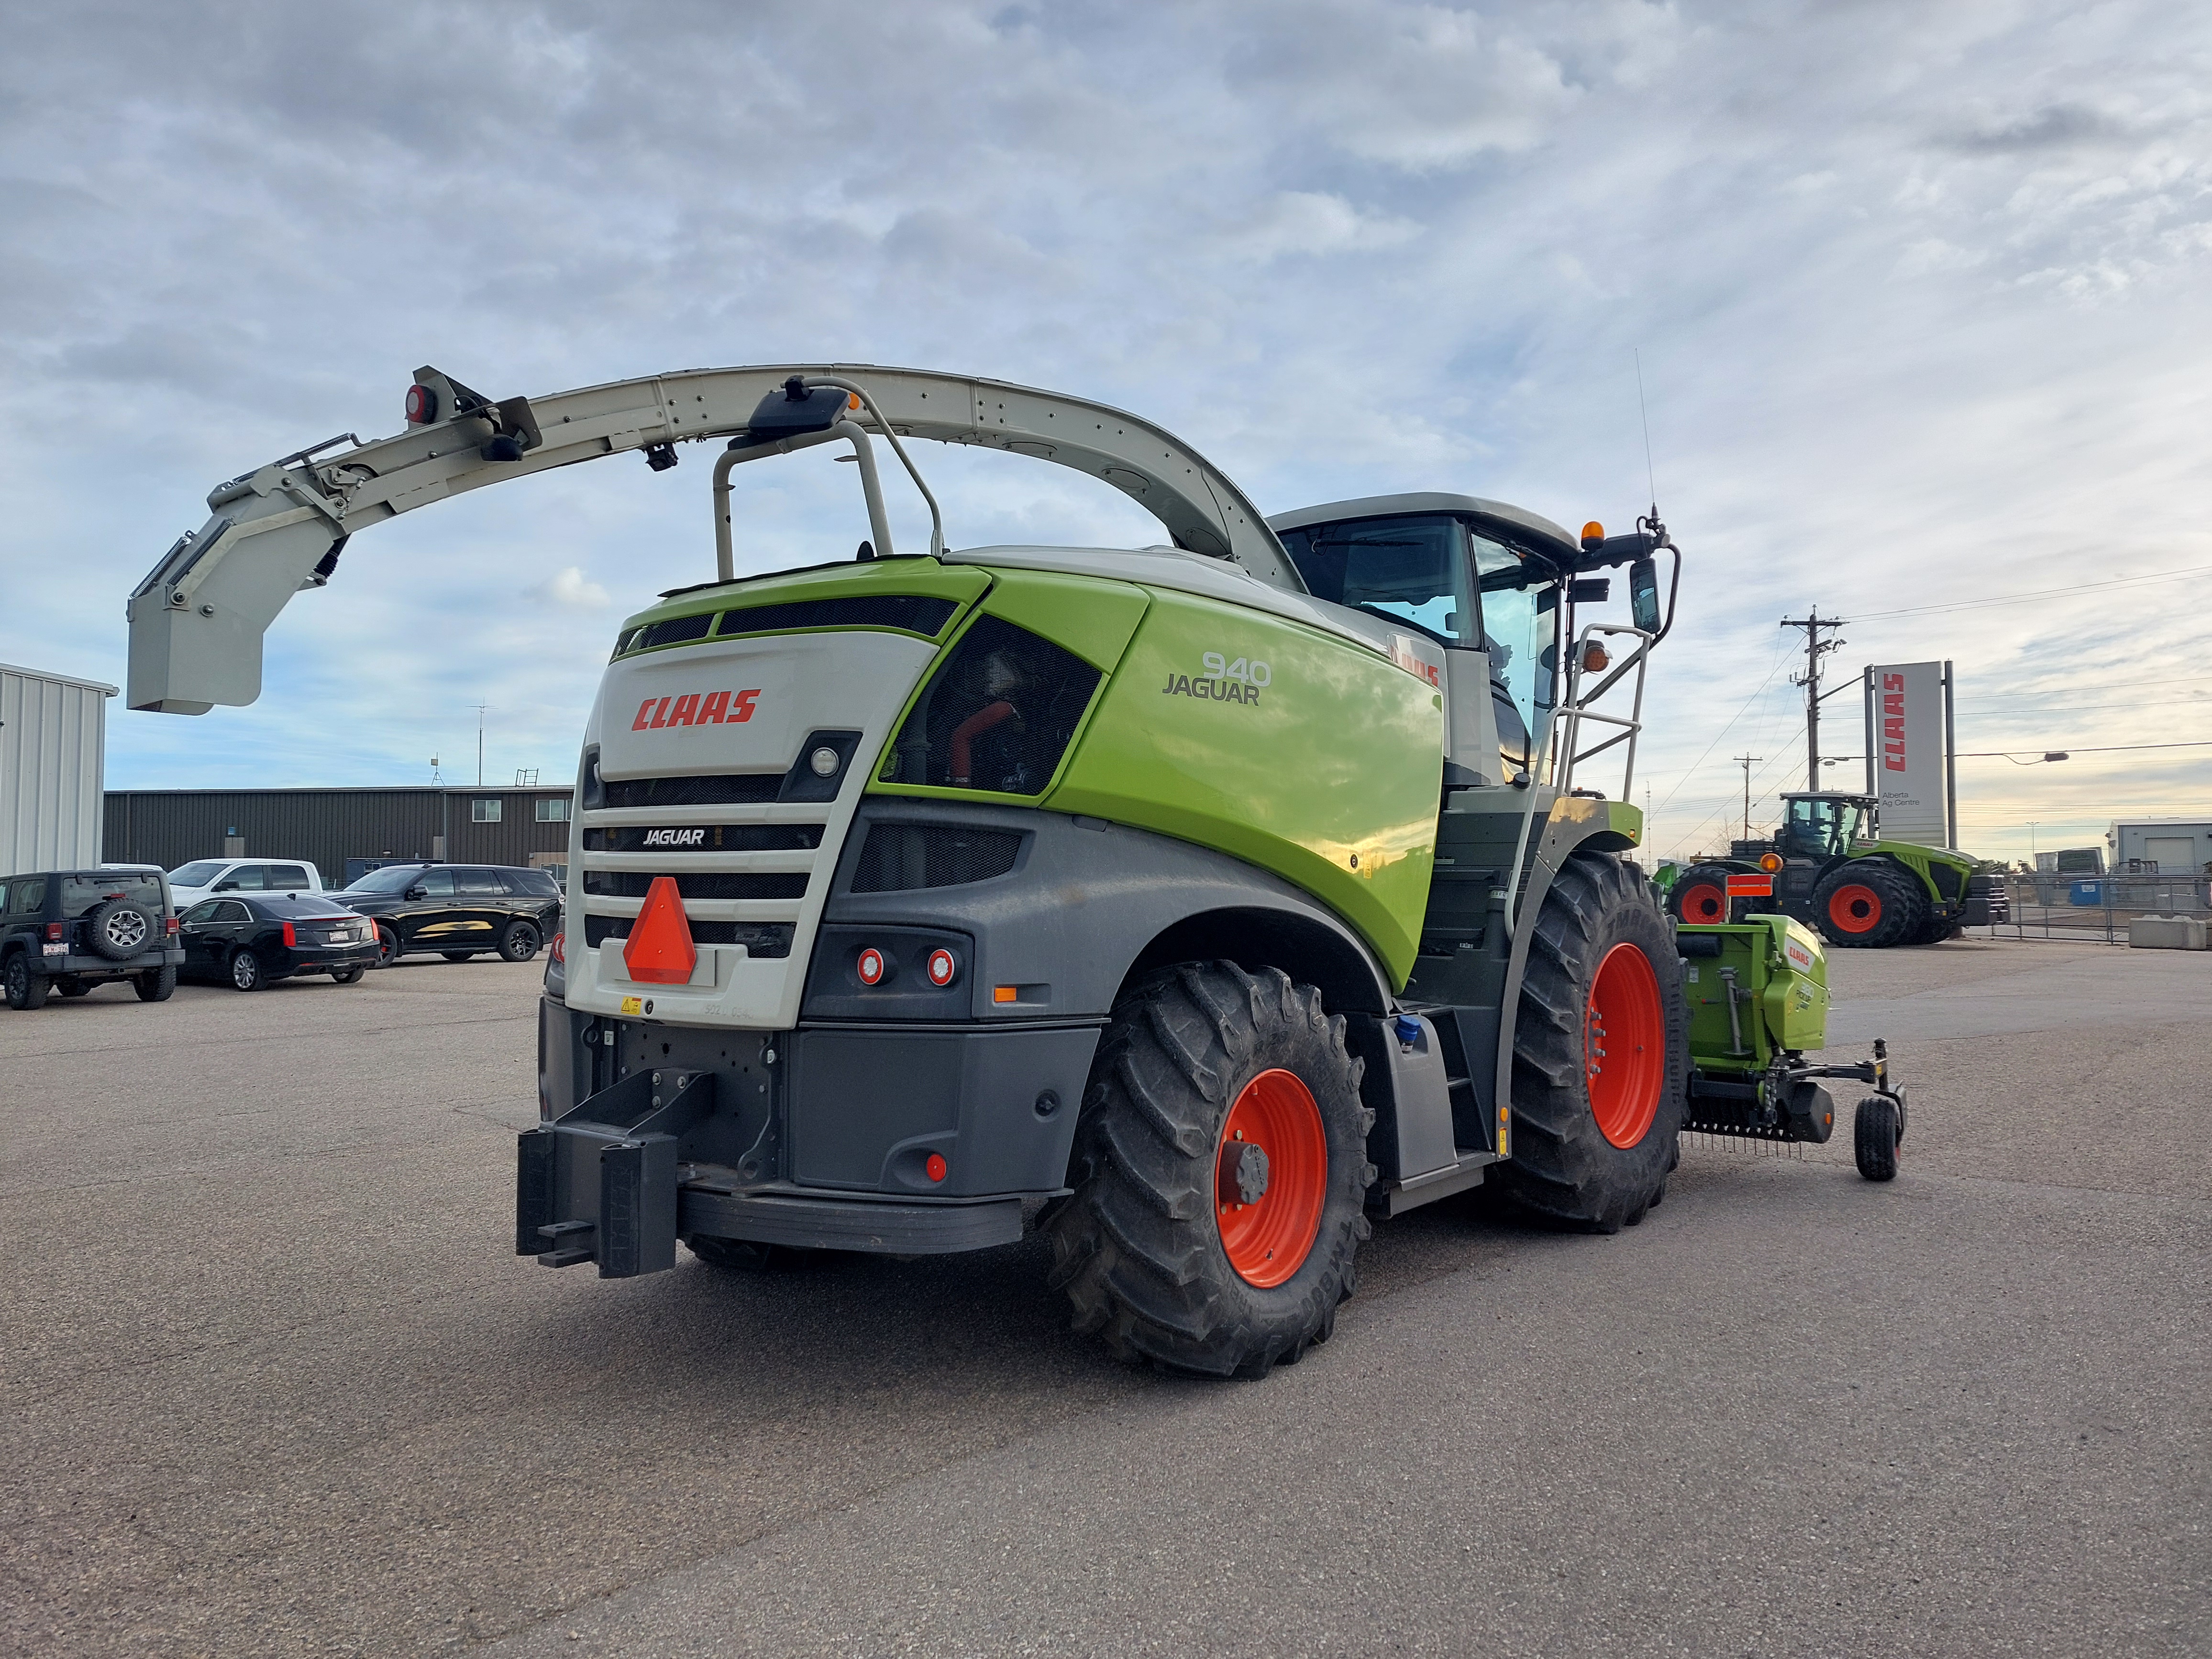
x=1703 y=903
x=1624 y=1046
x=1268 y=1240
x=1855 y=908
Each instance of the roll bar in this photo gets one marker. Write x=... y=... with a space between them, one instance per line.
x=196 y=620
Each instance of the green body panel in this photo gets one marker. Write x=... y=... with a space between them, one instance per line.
x=1780 y=964
x=923 y=578
x=1328 y=773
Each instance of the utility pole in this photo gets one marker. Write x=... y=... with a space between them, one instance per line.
x=480 y=719
x=1815 y=648
x=1745 y=761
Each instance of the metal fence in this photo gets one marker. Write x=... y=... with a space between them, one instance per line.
x=2096 y=910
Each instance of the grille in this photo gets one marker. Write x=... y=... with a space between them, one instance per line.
x=997 y=714
x=712 y=838
x=699 y=884
x=915 y=616
x=760 y=938
x=736 y=789
x=675 y=631
x=899 y=857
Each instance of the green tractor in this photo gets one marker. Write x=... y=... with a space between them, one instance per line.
x=1827 y=866
x=1196 y=905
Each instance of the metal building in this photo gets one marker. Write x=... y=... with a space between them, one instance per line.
x=53 y=744
x=341 y=831
x=2164 y=846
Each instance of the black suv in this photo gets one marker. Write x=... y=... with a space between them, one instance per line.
x=458 y=911
x=70 y=930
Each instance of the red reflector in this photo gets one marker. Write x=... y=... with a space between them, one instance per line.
x=1750 y=886
x=422 y=406
x=870 y=967
x=659 y=950
x=934 y=1166
x=291 y=939
x=943 y=968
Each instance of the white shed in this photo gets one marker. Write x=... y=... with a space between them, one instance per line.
x=54 y=749
x=2164 y=847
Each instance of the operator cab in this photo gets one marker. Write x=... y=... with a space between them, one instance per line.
x=1479 y=579
x=1824 y=826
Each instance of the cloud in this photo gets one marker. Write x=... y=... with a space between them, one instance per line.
x=568 y=589
x=1917 y=293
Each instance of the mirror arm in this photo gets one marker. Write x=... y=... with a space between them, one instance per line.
x=871 y=485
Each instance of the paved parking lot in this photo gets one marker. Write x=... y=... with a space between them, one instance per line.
x=273 y=1384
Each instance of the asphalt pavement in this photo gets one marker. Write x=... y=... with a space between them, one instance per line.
x=274 y=1384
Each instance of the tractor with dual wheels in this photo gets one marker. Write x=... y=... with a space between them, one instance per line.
x=1202 y=905
x=1827 y=866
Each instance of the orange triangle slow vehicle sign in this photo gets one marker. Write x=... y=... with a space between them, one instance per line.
x=659 y=950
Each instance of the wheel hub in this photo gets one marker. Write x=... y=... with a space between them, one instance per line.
x=1271 y=1178
x=1624 y=1046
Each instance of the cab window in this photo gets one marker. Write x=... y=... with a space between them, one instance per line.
x=1410 y=570
x=287 y=877
x=242 y=878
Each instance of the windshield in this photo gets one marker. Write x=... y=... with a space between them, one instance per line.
x=1520 y=622
x=1411 y=570
x=392 y=878
x=195 y=875
x=1824 y=826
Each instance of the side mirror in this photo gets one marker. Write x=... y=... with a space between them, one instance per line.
x=226 y=887
x=418 y=892
x=1644 y=594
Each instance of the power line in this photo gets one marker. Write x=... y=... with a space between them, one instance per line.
x=1772 y=669
x=2033 y=594
x=2098 y=749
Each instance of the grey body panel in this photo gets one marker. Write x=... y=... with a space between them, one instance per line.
x=196 y=620
x=1078 y=909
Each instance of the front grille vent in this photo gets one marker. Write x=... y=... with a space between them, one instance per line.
x=737 y=789
x=760 y=938
x=704 y=838
x=699 y=884
x=997 y=715
x=901 y=857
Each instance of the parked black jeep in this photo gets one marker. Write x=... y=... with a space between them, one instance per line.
x=70 y=930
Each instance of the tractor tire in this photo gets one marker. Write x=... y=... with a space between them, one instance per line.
x=1877 y=1132
x=1221 y=1173
x=155 y=984
x=1601 y=1054
x=1700 y=896
x=1870 y=904
x=27 y=988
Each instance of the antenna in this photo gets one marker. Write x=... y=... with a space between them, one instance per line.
x=1650 y=475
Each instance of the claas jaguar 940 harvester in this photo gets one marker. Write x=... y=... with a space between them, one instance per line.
x=1195 y=903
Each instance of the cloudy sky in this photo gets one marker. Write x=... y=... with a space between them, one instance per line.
x=1919 y=293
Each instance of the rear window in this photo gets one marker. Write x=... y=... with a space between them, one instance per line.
x=195 y=875
x=303 y=907
x=288 y=879
x=531 y=884
x=81 y=893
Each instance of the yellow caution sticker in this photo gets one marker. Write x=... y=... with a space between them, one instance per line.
x=633 y=1005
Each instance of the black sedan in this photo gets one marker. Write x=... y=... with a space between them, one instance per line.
x=247 y=943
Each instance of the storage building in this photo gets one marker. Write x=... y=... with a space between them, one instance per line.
x=53 y=744
x=2163 y=847
x=344 y=832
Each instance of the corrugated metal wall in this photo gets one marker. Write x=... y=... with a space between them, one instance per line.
x=170 y=826
x=53 y=739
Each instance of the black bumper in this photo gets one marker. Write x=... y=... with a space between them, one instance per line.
x=902 y=1141
x=82 y=964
